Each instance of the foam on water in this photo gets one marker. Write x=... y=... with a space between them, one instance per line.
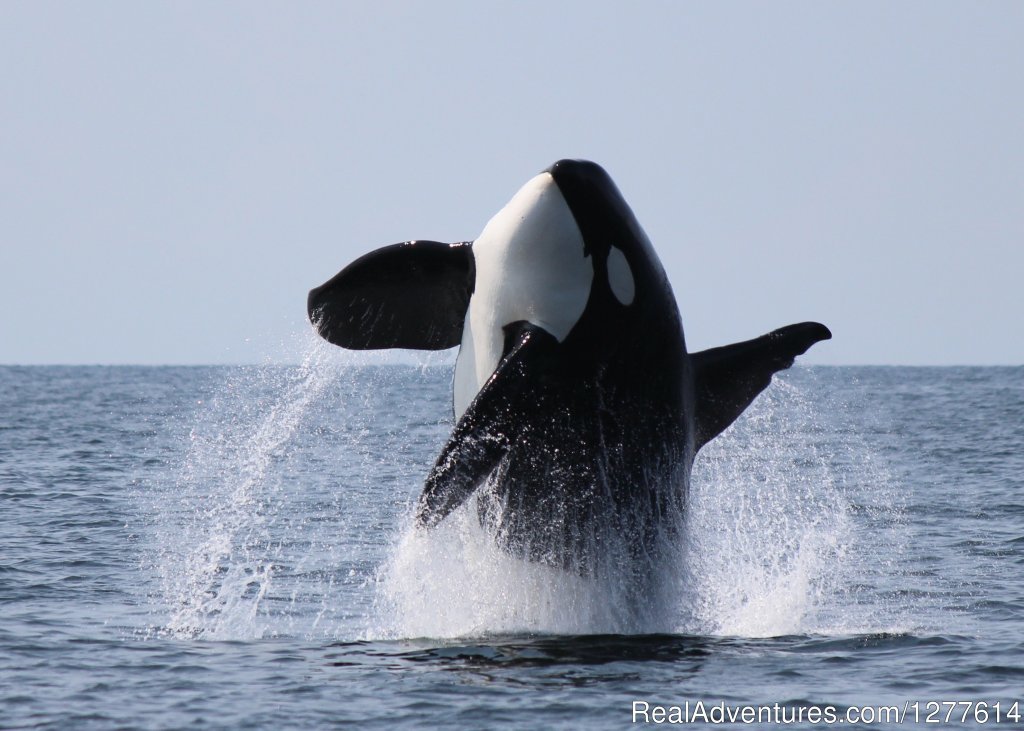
x=453 y=581
x=248 y=544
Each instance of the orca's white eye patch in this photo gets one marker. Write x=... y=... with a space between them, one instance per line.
x=620 y=277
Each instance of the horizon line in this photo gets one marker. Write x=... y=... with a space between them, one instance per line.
x=290 y=364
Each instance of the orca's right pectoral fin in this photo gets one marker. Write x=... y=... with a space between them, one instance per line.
x=484 y=434
x=410 y=295
x=728 y=379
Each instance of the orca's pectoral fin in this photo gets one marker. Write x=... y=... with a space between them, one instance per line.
x=484 y=434
x=729 y=378
x=410 y=295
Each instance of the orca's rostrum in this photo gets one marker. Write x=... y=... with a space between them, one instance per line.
x=578 y=410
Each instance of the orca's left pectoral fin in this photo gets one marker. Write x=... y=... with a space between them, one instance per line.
x=728 y=379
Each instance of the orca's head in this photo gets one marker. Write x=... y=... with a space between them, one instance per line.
x=624 y=261
x=566 y=241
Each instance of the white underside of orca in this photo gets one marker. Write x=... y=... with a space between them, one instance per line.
x=530 y=266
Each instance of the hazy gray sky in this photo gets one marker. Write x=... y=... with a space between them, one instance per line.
x=175 y=176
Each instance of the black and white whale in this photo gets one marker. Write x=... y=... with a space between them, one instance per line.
x=578 y=409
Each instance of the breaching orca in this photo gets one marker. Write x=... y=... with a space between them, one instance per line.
x=578 y=410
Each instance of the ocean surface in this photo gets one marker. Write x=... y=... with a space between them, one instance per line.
x=229 y=547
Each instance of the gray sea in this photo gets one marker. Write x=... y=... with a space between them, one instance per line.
x=231 y=547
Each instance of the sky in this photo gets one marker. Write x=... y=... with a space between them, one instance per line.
x=175 y=176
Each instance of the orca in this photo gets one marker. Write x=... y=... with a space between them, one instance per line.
x=578 y=410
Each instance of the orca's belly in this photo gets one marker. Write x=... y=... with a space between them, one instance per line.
x=573 y=504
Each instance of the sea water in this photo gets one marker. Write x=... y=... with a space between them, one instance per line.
x=232 y=547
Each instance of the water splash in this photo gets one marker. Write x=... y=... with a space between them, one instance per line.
x=214 y=578
x=290 y=484
x=453 y=581
x=292 y=515
x=774 y=543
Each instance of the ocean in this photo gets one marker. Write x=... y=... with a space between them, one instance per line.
x=232 y=547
